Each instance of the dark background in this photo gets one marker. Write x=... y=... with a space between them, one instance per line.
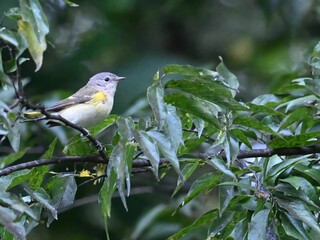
x=264 y=42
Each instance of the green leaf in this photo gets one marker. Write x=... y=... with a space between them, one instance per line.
x=270 y=162
x=316 y=50
x=16 y=204
x=129 y=155
x=105 y=196
x=173 y=127
x=198 y=123
x=204 y=183
x=238 y=184
x=188 y=70
x=252 y=123
x=195 y=106
x=218 y=163
x=79 y=146
x=241 y=135
x=299 y=210
x=240 y=229
x=63 y=190
x=36 y=49
x=229 y=77
x=49 y=153
x=296 y=116
x=226 y=193
x=118 y=162
x=190 y=144
x=266 y=99
x=219 y=223
x=155 y=94
x=38 y=173
x=41 y=196
x=125 y=128
x=34 y=27
x=32 y=12
x=150 y=149
x=311 y=85
x=15 y=39
x=231 y=148
x=309 y=197
x=100 y=127
x=14 y=136
x=14 y=179
x=208 y=90
x=122 y=156
x=297 y=103
x=283 y=166
x=167 y=150
x=71 y=4
x=187 y=171
x=7 y=160
x=300 y=140
x=300 y=183
x=202 y=220
x=263 y=109
x=7 y=219
x=311 y=174
x=4 y=78
x=294 y=227
x=258 y=225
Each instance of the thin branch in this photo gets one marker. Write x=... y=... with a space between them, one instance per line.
x=142 y=162
x=54 y=160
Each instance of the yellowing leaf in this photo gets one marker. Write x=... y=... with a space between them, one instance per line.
x=35 y=47
x=85 y=173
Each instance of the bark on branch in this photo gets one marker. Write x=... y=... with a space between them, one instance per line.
x=141 y=163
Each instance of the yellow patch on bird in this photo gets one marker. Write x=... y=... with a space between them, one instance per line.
x=99 y=97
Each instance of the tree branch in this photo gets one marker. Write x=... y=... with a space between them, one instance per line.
x=142 y=162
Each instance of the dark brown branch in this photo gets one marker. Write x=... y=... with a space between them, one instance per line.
x=54 y=160
x=141 y=163
x=279 y=151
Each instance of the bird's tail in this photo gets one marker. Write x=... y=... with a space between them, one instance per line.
x=32 y=115
x=38 y=116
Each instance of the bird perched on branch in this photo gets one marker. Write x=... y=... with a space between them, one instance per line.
x=88 y=106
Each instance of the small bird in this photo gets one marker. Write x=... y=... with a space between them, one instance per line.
x=89 y=105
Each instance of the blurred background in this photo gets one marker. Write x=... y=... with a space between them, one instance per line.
x=264 y=42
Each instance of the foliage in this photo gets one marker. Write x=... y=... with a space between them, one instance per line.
x=197 y=123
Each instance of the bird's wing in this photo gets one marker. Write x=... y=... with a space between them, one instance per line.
x=81 y=96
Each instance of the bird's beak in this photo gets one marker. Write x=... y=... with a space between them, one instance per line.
x=120 y=78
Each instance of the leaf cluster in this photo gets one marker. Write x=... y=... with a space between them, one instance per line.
x=197 y=122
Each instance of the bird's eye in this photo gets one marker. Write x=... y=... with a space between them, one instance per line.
x=107 y=79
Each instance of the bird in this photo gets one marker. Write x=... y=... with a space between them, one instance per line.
x=86 y=107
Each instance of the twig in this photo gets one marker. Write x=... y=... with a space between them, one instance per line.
x=53 y=160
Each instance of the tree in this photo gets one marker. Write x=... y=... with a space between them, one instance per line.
x=261 y=156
